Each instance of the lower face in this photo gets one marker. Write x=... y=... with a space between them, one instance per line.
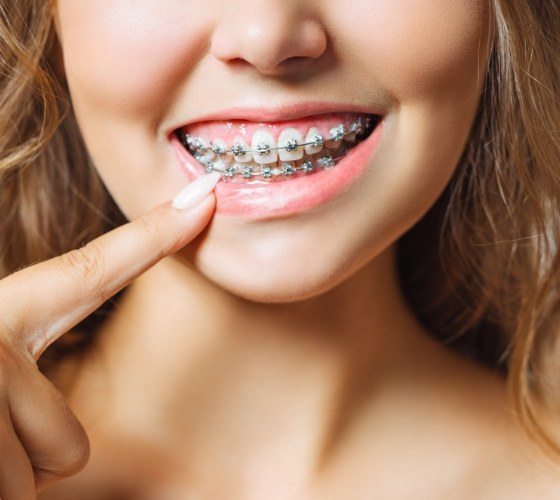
x=166 y=90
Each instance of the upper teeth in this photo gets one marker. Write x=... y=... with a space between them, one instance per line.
x=261 y=158
x=241 y=150
x=264 y=144
x=314 y=141
x=338 y=132
x=289 y=144
x=290 y=147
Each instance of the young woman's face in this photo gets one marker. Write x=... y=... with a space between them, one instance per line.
x=140 y=70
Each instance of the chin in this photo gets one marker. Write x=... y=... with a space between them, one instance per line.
x=262 y=277
x=274 y=287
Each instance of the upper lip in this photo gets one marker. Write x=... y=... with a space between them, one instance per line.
x=291 y=111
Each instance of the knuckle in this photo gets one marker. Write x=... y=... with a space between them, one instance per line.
x=68 y=448
x=76 y=457
x=78 y=450
x=150 y=224
x=86 y=266
x=72 y=459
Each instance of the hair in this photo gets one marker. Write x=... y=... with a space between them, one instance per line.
x=481 y=269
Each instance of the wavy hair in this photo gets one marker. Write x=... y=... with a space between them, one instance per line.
x=481 y=269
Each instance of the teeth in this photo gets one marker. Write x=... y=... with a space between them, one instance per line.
x=219 y=165
x=202 y=148
x=331 y=144
x=288 y=169
x=350 y=137
x=219 y=148
x=246 y=171
x=239 y=147
x=359 y=126
x=270 y=159
x=337 y=134
x=266 y=172
x=325 y=161
x=290 y=138
x=231 y=170
x=307 y=166
x=315 y=137
x=263 y=145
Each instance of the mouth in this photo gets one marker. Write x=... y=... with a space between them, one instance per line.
x=254 y=153
x=278 y=168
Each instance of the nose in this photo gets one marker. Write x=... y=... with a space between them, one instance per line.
x=273 y=36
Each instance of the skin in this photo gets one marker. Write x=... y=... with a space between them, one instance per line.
x=284 y=377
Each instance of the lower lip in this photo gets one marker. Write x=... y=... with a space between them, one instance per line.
x=289 y=197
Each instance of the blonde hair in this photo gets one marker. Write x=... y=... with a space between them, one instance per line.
x=481 y=269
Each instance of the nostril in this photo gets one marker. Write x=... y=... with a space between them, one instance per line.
x=269 y=37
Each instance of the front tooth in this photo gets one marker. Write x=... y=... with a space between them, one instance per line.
x=239 y=145
x=263 y=146
x=290 y=138
x=313 y=136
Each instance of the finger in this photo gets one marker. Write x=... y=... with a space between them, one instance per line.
x=54 y=440
x=41 y=302
x=17 y=481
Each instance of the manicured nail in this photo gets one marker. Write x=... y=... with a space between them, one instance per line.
x=196 y=191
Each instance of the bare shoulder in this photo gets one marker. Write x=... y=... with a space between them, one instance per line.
x=506 y=462
x=526 y=471
x=445 y=430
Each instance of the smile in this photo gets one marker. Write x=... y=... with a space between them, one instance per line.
x=279 y=162
x=242 y=151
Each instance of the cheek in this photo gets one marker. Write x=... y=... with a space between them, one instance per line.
x=419 y=48
x=431 y=56
x=127 y=56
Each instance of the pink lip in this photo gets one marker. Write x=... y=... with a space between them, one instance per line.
x=284 y=198
x=280 y=113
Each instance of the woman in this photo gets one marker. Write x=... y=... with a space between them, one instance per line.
x=354 y=297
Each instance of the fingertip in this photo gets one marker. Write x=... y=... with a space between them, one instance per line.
x=196 y=191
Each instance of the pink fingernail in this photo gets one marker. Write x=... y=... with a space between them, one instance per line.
x=196 y=191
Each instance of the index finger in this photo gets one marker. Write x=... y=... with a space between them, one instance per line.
x=43 y=301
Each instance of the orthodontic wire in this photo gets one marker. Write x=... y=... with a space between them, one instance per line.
x=338 y=135
x=287 y=169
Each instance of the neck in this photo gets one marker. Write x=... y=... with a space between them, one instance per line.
x=274 y=381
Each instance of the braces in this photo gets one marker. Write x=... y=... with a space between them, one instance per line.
x=287 y=169
x=337 y=134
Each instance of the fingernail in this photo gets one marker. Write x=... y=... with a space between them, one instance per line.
x=196 y=191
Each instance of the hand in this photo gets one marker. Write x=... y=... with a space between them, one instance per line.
x=41 y=440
